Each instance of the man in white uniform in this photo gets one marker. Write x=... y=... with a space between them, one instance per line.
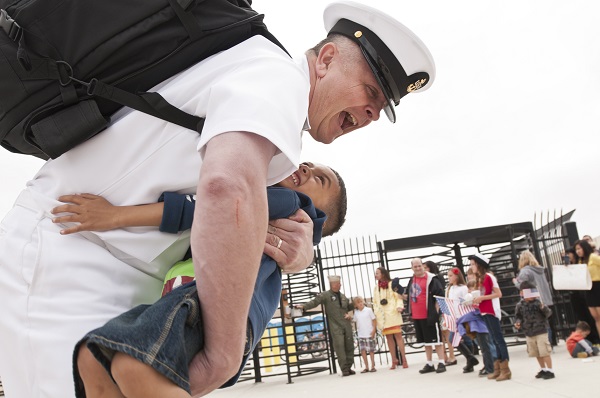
x=256 y=100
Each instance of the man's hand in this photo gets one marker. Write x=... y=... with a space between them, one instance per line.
x=209 y=370
x=289 y=242
x=92 y=212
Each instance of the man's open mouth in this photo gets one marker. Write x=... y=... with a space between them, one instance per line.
x=348 y=120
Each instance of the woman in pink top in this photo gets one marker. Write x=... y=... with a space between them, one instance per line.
x=480 y=265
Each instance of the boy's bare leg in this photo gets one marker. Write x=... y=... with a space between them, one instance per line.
x=541 y=362
x=97 y=382
x=363 y=354
x=548 y=361
x=136 y=379
x=372 y=354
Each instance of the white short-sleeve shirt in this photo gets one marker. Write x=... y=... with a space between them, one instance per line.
x=364 y=322
x=253 y=87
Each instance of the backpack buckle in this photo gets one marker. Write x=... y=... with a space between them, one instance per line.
x=10 y=26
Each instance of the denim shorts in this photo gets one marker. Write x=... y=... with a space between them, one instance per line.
x=165 y=336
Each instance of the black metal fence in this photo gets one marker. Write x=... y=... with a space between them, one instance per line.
x=297 y=346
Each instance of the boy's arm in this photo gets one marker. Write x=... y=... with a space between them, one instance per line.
x=94 y=213
x=545 y=310
x=518 y=316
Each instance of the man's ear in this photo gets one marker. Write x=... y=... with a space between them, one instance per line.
x=328 y=53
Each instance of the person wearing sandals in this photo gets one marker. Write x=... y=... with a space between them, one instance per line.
x=366 y=327
x=388 y=306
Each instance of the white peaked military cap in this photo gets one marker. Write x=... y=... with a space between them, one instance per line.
x=334 y=278
x=399 y=60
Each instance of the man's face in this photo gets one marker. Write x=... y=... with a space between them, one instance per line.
x=418 y=269
x=345 y=96
x=317 y=181
x=335 y=286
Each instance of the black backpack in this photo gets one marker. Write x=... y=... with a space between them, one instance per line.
x=67 y=65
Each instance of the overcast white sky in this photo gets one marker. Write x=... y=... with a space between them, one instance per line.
x=508 y=129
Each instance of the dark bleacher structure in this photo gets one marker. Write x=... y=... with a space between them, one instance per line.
x=356 y=260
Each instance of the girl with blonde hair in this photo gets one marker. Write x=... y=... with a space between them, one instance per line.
x=531 y=271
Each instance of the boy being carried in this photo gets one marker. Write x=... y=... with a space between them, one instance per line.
x=155 y=343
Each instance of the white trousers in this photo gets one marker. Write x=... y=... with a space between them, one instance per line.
x=53 y=290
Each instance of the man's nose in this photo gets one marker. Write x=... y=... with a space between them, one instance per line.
x=372 y=113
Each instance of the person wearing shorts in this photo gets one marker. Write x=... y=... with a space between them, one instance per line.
x=531 y=316
x=422 y=288
x=366 y=327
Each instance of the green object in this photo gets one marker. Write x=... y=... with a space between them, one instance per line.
x=181 y=268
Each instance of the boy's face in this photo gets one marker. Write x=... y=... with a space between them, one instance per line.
x=522 y=296
x=584 y=333
x=317 y=181
x=360 y=304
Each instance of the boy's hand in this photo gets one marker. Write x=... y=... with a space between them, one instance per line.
x=92 y=212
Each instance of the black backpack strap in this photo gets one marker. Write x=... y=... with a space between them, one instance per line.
x=181 y=8
x=151 y=103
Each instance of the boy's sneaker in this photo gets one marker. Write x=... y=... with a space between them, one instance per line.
x=427 y=369
x=548 y=375
x=441 y=368
x=582 y=355
x=540 y=374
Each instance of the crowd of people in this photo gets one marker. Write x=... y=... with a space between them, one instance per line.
x=478 y=329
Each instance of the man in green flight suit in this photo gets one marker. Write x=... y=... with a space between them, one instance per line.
x=337 y=308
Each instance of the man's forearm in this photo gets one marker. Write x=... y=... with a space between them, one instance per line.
x=228 y=235
x=229 y=242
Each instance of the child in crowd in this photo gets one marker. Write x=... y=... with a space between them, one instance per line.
x=157 y=342
x=471 y=343
x=577 y=344
x=366 y=327
x=531 y=316
x=456 y=291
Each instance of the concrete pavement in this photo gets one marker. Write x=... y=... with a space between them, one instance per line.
x=574 y=378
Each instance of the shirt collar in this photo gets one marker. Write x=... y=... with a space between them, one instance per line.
x=302 y=63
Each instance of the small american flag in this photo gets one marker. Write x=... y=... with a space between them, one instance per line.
x=451 y=311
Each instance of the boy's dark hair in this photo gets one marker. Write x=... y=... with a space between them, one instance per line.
x=527 y=285
x=583 y=326
x=336 y=211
